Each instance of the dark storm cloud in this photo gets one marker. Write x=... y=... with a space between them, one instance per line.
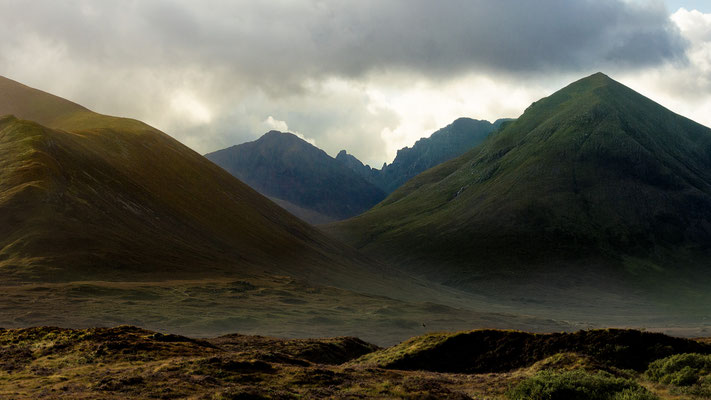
x=284 y=42
x=211 y=73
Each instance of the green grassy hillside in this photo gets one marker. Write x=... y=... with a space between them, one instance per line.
x=106 y=221
x=87 y=196
x=594 y=174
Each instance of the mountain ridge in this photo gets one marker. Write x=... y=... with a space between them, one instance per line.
x=284 y=166
x=442 y=145
x=97 y=197
x=594 y=173
x=105 y=220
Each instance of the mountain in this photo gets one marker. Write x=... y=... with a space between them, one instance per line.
x=318 y=189
x=299 y=176
x=593 y=182
x=445 y=144
x=86 y=196
x=107 y=221
x=356 y=165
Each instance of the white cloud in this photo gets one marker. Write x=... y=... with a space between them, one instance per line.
x=693 y=24
x=369 y=76
x=424 y=106
x=684 y=88
x=186 y=106
x=275 y=124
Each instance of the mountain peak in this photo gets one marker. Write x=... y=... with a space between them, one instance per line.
x=463 y=119
x=598 y=75
x=591 y=83
x=86 y=196
x=280 y=139
x=595 y=169
x=594 y=98
x=31 y=104
x=278 y=135
x=285 y=138
x=597 y=78
x=7 y=118
x=284 y=166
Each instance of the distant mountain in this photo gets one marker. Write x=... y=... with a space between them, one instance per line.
x=595 y=178
x=318 y=189
x=84 y=196
x=449 y=142
x=356 y=165
x=300 y=177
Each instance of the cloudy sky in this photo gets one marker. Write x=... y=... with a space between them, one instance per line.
x=370 y=76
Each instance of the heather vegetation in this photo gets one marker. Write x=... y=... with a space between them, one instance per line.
x=688 y=374
x=129 y=362
x=578 y=385
x=500 y=350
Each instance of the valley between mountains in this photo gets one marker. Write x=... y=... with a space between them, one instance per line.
x=590 y=210
x=108 y=221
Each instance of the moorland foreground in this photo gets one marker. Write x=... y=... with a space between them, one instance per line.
x=129 y=362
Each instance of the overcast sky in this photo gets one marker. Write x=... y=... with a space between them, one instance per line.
x=369 y=76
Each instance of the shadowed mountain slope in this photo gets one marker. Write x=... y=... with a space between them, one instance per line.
x=300 y=177
x=449 y=142
x=87 y=196
x=594 y=175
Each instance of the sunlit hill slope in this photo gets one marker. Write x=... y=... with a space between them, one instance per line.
x=88 y=196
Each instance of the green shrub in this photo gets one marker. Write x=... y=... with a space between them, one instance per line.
x=687 y=373
x=638 y=393
x=680 y=369
x=578 y=385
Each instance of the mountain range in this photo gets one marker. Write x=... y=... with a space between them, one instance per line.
x=319 y=189
x=591 y=208
x=88 y=196
x=106 y=221
x=594 y=186
x=300 y=177
x=449 y=142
